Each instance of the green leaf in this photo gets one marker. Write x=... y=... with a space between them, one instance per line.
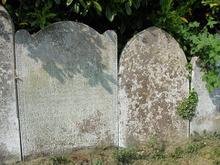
x=97 y=7
x=109 y=14
x=4 y=2
x=137 y=4
x=211 y=22
x=76 y=8
x=194 y=24
x=187 y=107
x=166 y=5
x=83 y=4
x=128 y=8
x=129 y=3
x=69 y=2
x=51 y=15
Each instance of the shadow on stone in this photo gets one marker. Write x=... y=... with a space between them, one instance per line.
x=68 y=48
x=215 y=97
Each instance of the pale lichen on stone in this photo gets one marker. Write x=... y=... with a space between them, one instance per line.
x=152 y=81
x=67 y=98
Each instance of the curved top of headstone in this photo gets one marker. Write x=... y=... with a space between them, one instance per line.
x=66 y=39
x=150 y=36
x=70 y=26
x=153 y=46
x=6 y=25
x=152 y=81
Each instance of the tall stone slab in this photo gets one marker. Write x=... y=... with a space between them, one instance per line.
x=67 y=88
x=152 y=82
x=208 y=109
x=9 y=129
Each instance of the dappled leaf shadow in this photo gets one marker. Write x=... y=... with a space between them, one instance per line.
x=67 y=48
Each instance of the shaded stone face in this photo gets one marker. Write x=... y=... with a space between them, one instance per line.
x=207 y=113
x=67 y=96
x=152 y=82
x=9 y=134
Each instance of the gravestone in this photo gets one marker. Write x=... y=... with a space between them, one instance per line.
x=67 y=88
x=9 y=129
x=208 y=109
x=152 y=82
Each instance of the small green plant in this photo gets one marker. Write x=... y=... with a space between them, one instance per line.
x=98 y=162
x=126 y=155
x=205 y=45
x=192 y=148
x=57 y=160
x=158 y=148
x=178 y=153
x=187 y=107
x=42 y=16
x=216 y=151
x=152 y=142
x=158 y=154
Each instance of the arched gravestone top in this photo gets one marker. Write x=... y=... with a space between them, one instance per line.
x=67 y=96
x=9 y=130
x=152 y=81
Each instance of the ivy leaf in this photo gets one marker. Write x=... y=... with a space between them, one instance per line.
x=128 y=8
x=76 y=8
x=97 y=7
x=109 y=14
x=69 y=2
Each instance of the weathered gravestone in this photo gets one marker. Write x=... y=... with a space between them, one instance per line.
x=152 y=81
x=67 y=92
x=208 y=109
x=9 y=130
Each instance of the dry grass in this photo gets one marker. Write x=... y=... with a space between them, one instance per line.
x=199 y=150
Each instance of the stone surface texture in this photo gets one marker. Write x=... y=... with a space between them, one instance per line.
x=67 y=92
x=152 y=82
x=208 y=109
x=9 y=130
